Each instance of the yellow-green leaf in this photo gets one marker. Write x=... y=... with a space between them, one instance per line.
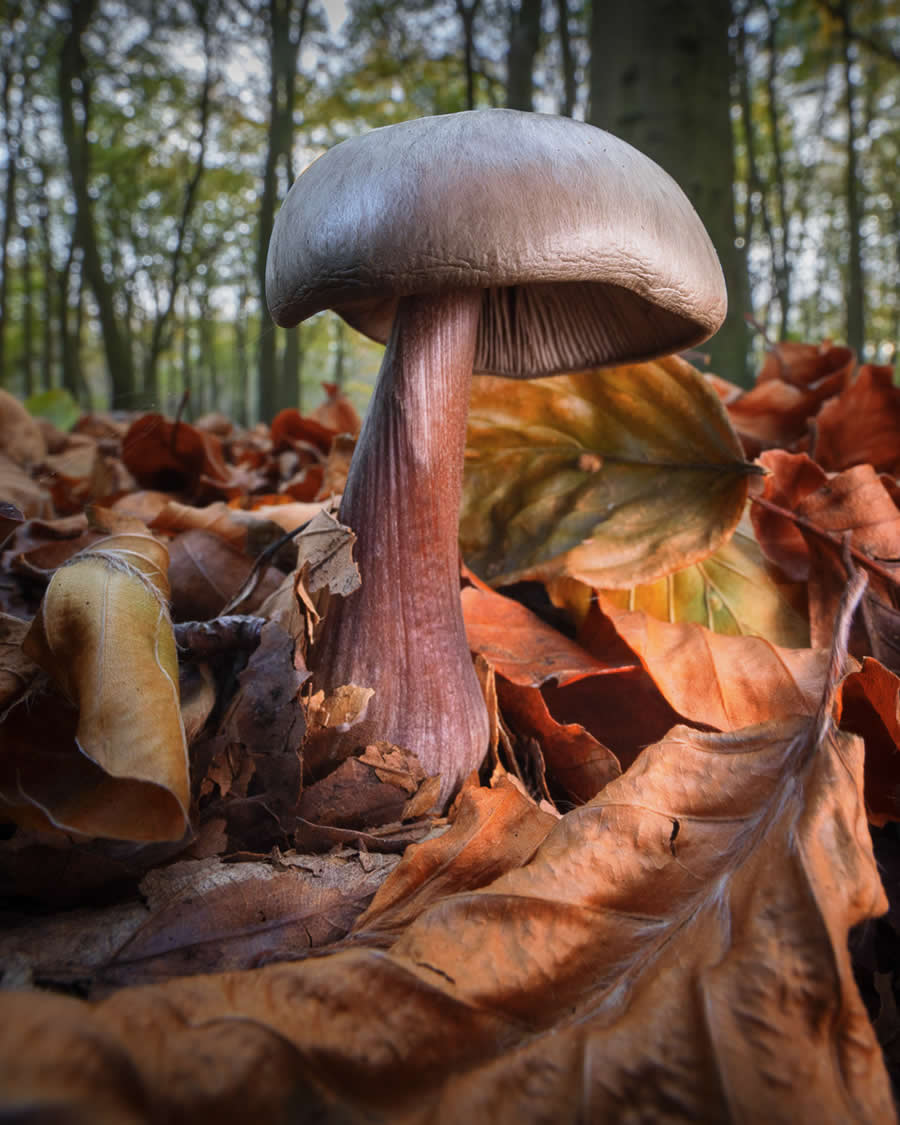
x=734 y=591
x=615 y=477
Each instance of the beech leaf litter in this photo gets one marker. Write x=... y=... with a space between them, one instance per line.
x=672 y=890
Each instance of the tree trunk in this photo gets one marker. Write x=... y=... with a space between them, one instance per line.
x=27 y=313
x=524 y=42
x=10 y=138
x=668 y=94
x=855 y=283
x=781 y=261
x=287 y=23
x=567 y=59
x=161 y=335
x=466 y=13
x=74 y=83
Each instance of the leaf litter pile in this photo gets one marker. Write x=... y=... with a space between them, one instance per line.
x=670 y=893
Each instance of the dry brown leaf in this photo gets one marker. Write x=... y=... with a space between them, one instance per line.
x=793 y=383
x=723 y=682
x=493 y=831
x=862 y=424
x=870 y=707
x=17 y=672
x=366 y=790
x=206 y=572
x=578 y=763
x=10 y=519
x=676 y=950
x=17 y=487
x=104 y=637
x=21 y=437
x=520 y=646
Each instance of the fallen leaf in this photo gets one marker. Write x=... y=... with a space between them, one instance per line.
x=735 y=591
x=116 y=765
x=206 y=572
x=10 y=519
x=720 y=681
x=861 y=424
x=520 y=646
x=794 y=382
x=173 y=456
x=576 y=761
x=365 y=790
x=337 y=412
x=21 y=438
x=676 y=949
x=870 y=707
x=614 y=476
x=18 y=488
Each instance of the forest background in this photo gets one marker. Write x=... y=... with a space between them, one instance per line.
x=147 y=145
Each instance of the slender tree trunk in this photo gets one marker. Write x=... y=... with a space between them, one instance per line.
x=161 y=335
x=48 y=288
x=855 y=282
x=74 y=83
x=72 y=378
x=466 y=13
x=10 y=138
x=339 y=371
x=524 y=42
x=567 y=59
x=781 y=241
x=27 y=312
x=660 y=78
x=287 y=23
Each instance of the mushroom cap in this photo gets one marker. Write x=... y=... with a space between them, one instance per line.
x=587 y=251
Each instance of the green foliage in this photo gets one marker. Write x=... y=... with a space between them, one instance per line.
x=57 y=406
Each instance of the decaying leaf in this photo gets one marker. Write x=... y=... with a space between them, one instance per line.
x=521 y=647
x=861 y=424
x=675 y=950
x=615 y=476
x=723 y=682
x=104 y=637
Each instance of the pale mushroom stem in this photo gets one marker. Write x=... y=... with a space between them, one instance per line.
x=402 y=632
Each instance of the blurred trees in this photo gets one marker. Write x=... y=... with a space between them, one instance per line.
x=146 y=145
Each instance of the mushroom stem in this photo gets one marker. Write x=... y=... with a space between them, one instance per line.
x=402 y=632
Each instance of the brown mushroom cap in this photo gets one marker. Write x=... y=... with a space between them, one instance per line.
x=587 y=251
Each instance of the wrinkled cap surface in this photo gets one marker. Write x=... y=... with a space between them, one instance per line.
x=588 y=253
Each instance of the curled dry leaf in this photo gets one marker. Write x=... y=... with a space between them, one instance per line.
x=18 y=488
x=862 y=424
x=21 y=437
x=104 y=637
x=794 y=382
x=723 y=682
x=206 y=572
x=173 y=456
x=526 y=653
x=675 y=950
x=10 y=519
x=367 y=790
x=870 y=707
x=614 y=476
x=520 y=646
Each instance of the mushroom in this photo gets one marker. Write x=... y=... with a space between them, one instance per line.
x=491 y=240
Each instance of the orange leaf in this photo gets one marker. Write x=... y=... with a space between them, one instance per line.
x=862 y=424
